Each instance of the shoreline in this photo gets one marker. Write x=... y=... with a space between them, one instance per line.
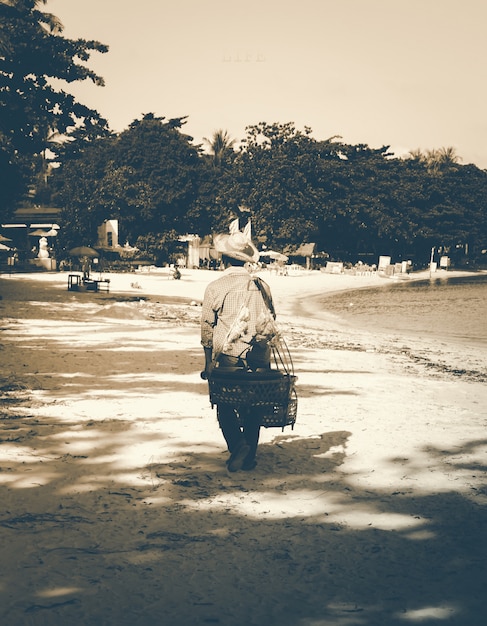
x=158 y=282
x=299 y=305
x=294 y=296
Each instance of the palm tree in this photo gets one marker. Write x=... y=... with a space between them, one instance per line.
x=436 y=160
x=416 y=155
x=448 y=156
x=221 y=146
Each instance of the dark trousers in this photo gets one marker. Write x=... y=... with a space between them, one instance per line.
x=237 y=431
x=239 y=425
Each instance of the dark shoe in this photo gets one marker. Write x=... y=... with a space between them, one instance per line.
x=249 y=464
x=237 y=457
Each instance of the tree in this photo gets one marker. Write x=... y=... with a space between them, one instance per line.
x=161 y=248
x=148 y=177
x=76 y=187
x=349 y=199
x=279 y=175
x=437 y=160
x=221 y=147
x=32 y=53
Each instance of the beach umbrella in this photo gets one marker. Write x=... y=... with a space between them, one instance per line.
x=83 y=251
x=276 y=256
x=4 y=247
x=38 y=233
x=2 y=238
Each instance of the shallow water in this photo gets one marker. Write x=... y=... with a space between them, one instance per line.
x=451 y=309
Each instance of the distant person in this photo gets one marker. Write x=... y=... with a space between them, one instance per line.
x=175 y=273
x=86 y=268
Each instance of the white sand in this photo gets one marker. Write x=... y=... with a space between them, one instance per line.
x=117 y=508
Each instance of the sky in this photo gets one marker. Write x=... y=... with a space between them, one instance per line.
x=409 y=74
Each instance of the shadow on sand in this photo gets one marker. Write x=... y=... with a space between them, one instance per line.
x=91 y=536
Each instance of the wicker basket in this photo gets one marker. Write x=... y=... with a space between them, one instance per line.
x=272 y=391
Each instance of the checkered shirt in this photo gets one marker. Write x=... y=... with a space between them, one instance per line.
x=222 y=303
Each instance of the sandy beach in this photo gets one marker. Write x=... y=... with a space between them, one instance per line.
x=117 y=508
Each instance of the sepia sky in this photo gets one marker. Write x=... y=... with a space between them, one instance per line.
x=405 y=73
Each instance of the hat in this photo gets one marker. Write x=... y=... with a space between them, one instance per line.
x=236 y=246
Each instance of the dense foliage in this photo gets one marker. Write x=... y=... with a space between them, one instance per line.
x=32 y=111
x=147 y=177
x=349 y=200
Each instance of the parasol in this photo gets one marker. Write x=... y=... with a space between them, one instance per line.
x=277 y=256
x=83 y=251
x=4 y=247
x=2 y=238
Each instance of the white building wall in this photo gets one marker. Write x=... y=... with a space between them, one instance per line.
x=108 y=234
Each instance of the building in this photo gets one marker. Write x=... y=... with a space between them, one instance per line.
x=33 y=231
